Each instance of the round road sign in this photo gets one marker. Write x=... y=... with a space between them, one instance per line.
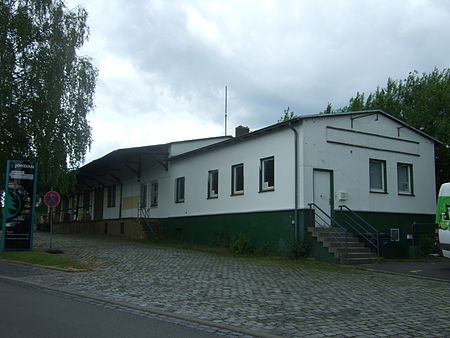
x=52 y=199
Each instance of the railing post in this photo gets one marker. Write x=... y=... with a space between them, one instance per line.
x=369 y=233
x=378 y=244
x=332 y=222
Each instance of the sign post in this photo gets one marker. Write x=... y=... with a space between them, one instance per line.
x=51 y=200
x=18 y=219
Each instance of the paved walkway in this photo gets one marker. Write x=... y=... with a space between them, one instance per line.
x=278 y=298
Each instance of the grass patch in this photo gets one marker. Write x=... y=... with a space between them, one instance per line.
x=167 y=243
x=41 y=258
x=285 y=261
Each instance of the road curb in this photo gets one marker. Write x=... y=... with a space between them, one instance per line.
x=50 y=267
x=403 y=274
x=148 y=310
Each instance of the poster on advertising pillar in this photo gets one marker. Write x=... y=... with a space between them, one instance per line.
x=18 y=217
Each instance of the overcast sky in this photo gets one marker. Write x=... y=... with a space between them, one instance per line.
x=163 y=65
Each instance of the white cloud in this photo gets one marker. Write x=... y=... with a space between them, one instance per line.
x=164 y=64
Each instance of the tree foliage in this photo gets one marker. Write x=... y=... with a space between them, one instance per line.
x=288 y=114
x=422 y=101
x=46 y=89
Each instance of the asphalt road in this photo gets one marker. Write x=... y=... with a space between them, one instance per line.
x=242 y=296
x=437 y=269
x=29 y=311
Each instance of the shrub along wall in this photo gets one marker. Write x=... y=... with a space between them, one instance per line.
x=129 y=227
x=273 y=230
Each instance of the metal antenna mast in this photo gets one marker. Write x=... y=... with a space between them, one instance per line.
x=226 y=104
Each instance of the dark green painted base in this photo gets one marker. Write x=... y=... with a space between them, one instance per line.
x=272 y=229
x=419 y=226
x=276 y=230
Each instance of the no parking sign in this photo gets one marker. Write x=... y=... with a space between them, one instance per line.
x=52 y=199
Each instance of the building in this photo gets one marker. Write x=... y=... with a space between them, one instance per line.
x=272 y=184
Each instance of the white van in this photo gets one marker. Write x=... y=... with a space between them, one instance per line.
x=443 y=218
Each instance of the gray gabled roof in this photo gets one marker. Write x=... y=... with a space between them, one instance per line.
x=160 y=153
x=287 y=124
x=125 y=155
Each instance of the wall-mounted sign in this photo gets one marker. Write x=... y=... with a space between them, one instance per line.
x=19 y=205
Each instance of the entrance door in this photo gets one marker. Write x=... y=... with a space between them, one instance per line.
x=323 y=195
x=98 y=204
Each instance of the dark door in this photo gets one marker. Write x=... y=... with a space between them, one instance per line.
x=98 y=204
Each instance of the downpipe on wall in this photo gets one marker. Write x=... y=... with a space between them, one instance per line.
x=296 y=180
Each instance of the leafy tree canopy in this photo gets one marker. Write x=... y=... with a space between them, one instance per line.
x=288 y=115
x=422 y=101
x=46 y=89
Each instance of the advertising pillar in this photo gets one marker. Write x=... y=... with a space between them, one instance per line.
x=18 y=219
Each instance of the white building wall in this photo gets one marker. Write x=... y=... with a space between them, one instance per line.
x=349 y=162
x=156 y=172
x=195 y=170
x=150 y=171
x=130 y=197
x=327 y=142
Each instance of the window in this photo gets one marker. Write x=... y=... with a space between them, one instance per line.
x=154 y=194
x=377 y=174
x=395 y=235
x=404 y=179
x=179 y=190
x=213 y=184
x=237 y=179
x=111 y=198
x=143 y=196
x=266 y=174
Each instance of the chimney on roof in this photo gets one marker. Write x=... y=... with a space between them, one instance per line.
x=241 y=130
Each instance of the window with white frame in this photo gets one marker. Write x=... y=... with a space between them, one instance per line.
x=395 y=234
x=111 y=196
x=213 y=183
x=154 y=194
x=267 y=174
x=179 y=190
x=377 y=175
x=405 y=179
x=237 y=179
x=143 y=196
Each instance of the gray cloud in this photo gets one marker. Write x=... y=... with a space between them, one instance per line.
x=177 y=56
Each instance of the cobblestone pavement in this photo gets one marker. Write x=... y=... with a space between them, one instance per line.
x=272 y=297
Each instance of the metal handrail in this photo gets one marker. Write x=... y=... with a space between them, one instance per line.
x=343 y=244
x=369 y=233
x=359 y=217
x=142 y=211
x=144 y=215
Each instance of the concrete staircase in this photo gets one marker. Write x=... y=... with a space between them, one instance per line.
x=343 y=245
x=152 y=228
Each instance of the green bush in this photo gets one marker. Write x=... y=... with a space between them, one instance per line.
x=220 y=239
x=264 y=249
x=297 y=249
x=427 y=244
x=241 y=245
